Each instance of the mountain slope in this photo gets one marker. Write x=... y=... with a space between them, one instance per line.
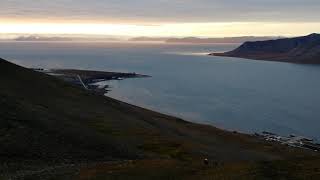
x=45 y=122
x=47 y=115
x=304 y=49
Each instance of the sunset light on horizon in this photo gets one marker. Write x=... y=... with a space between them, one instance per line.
x=203 y=18
x=227 y=29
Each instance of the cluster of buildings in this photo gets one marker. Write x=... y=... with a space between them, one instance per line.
x=292 y=141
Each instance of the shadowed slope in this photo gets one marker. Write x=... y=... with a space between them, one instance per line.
x=45 y=121
x=48 y=118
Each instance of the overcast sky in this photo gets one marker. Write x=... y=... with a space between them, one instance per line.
x=155 y=12
x=165 y=10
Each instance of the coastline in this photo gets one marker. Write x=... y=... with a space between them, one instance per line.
x=96 y=81
x=88 y=79
x=259 y=58
x=69 y=125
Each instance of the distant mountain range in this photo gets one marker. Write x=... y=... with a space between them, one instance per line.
x=145 y=39
x=190 y=40
x=58 y=38
x=39 y=38
x=196 y=40
x=219 y=40
x=305 y=49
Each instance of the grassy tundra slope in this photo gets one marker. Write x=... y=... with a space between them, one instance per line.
x=50 y=129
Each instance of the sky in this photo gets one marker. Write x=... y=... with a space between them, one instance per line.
x=207 y=18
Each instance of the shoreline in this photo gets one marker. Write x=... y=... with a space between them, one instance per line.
x=91 y=81
x=258 y=58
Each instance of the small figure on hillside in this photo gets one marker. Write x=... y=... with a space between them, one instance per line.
x=206 y=161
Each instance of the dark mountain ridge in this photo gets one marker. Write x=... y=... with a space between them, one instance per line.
x=305 y=49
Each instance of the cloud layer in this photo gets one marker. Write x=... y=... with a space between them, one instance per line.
x=157 y=11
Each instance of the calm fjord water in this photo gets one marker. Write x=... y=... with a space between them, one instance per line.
x=236 y=94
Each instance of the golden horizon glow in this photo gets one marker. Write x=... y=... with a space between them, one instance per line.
x=166 y=29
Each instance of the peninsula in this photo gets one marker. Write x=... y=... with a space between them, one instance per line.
x=305 y=49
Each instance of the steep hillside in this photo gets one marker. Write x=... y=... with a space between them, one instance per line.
x=304 y=49
x=52 y=129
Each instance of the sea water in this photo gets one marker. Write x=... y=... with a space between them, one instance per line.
x=230 y=93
